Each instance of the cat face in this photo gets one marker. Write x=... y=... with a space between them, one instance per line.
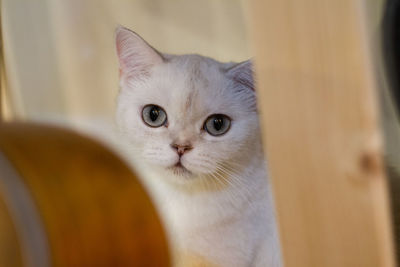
x=189 y=115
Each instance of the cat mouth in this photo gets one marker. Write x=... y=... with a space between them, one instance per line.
x=179 y=169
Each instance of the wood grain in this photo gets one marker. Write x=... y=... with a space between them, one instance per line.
x=94 y=210
x=317 y=97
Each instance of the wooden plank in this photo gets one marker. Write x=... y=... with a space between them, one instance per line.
x=317 y=96
x=6 y=110
x=2 y=66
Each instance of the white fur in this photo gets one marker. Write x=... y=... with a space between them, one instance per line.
x=222 y=210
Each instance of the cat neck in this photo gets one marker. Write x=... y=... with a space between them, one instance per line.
x=189 y=208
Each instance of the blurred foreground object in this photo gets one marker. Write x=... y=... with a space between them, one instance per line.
x=67 y=201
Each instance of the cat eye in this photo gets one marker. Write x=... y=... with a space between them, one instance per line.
x=154 y=116
x=217 y=124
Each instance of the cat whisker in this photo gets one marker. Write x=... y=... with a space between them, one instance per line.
x=220 y=182
x=236 y=180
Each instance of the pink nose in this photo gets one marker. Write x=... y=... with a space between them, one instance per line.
x=181 y=149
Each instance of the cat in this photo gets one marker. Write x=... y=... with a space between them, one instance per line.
x=193 y=124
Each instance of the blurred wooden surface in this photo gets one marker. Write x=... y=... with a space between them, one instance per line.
x=10 y=254
x=317 y=96
x=66 y=57
x=92 y=208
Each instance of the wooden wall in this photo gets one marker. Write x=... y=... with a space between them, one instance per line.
x=61 y=54
x=318 y=99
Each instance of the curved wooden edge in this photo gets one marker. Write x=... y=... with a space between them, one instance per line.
x=94 y=210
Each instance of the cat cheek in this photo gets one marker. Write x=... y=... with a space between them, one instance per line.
x=158 y=159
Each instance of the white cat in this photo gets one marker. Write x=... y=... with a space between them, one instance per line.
x=193 y=123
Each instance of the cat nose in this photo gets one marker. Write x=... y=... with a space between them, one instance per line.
x=181 y=149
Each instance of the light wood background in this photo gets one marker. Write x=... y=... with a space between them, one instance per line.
x=318 y=99
x=60 y=54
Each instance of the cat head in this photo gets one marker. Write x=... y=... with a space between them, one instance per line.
x=189 y=116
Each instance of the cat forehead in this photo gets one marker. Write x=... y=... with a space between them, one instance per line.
x=191 y=74
x=195 y=69
x=191 y=82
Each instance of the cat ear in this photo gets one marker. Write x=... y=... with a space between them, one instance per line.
x=242 y=74
x=136 y=57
